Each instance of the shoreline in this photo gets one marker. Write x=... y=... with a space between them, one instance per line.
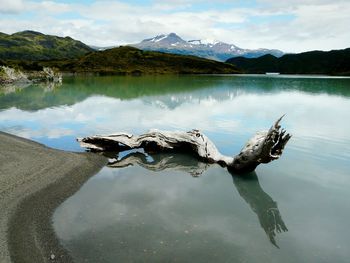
x=34 y=181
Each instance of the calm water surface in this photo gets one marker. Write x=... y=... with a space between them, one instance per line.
x=157 y=209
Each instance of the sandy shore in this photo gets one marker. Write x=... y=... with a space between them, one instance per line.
x=34 y=180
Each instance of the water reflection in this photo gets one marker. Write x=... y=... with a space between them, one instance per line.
x=20 y=87
x=247 y=185
x=261 y=203
x=160 y=162
x=10 y=88
x=186 y=89
x=219 y=107
x=229 y=110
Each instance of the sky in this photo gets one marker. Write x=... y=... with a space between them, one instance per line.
x=288 y=25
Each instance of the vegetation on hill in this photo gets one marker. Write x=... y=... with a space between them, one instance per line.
x=32 y=51
x=34 y=46
x=129 y=60
x=335 y=62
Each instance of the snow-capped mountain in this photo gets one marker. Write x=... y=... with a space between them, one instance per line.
x=212 y=49
x=165 y=40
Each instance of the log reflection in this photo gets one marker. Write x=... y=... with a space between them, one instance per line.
x=261 y=203
x=247 y=185
x=159 y=162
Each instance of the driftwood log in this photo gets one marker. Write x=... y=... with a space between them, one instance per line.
x=263 y=147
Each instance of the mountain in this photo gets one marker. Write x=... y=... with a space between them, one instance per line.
x=172 y=43
x=130 y=60
x=31 y=45
x=335 y=62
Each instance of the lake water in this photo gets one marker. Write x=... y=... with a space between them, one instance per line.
x=295 y=209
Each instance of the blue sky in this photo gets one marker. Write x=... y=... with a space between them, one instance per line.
x=289 y=25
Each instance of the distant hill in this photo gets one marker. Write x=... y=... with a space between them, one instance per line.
x=31 y=45
x=130 y=60
x=335 y=62
x=211 y=49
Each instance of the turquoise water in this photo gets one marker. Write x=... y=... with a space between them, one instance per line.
x=292 y=210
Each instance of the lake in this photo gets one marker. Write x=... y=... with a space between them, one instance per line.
x=173 y=208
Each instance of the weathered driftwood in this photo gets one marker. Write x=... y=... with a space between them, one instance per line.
x=263 y=147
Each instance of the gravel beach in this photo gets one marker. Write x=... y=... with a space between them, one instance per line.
x=34 y=181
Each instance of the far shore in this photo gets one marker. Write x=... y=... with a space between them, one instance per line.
x=34 y=181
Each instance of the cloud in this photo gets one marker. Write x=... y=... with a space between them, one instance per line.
x=292 y=26
x=316 y=25
x=43 y=7
x=11 y=7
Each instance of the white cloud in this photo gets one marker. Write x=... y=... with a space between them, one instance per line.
x=292 y=26
x=43 y=7
x=13 y=6
x=51 y=7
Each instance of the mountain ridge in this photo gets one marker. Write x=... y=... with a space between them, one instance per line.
x=334 y=62
x=31 y=51
x=210 y=49
x=32 y=45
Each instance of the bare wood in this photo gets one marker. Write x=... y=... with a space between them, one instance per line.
x=263 y=147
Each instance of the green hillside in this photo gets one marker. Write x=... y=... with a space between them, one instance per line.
x=129 y=60
x=30 y=51
x=33 y=46
x=335 y=62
